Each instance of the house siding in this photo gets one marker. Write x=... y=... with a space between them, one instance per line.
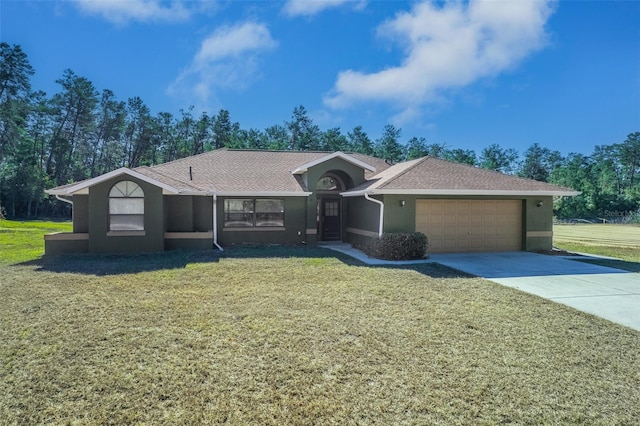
x=179 y=213
x=350 y=174
x=188 y=213
x=153 y=238
x=361 y=220
x=80 y=213
x=362 y=215
x=537 y=222
x=293 y=232
x=202 y=213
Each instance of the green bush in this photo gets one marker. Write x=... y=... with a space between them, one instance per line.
x=398 y=246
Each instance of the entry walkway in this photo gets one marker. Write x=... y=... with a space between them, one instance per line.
x=348 y=249
x=605 y=292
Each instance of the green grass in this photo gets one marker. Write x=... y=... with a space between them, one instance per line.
x=618 y=241
x=295 y=336
x=23 y=241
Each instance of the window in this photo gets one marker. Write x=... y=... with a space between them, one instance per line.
x=248 y=212
x=126 y=207
x=329 y=183
x=269 y=212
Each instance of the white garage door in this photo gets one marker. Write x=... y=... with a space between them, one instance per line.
x=470 y=225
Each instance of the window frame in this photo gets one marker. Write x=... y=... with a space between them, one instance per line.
x=251 y=216
x=340 y=186
x=118 y=207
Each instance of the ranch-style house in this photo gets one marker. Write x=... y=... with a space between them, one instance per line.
x=227 y=197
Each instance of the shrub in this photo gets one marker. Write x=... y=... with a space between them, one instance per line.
x=398 y=246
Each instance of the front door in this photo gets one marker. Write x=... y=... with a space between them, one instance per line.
x=330 y=220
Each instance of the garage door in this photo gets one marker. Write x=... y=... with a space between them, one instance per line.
x=470 y=225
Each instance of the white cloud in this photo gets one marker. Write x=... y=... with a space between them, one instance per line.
x=124 y=11
x=313 y=7
x=447 y=46
x=227 y=59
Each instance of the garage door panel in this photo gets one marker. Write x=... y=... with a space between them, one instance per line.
x=470 y=225
x=450 y=220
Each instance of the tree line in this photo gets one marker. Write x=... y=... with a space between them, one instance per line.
x=81 y=132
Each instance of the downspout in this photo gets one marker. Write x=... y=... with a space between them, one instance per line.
x=215 y=222
x=366 y=196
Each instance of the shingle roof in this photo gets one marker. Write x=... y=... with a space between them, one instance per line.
x=227 y=170
x=430 y=175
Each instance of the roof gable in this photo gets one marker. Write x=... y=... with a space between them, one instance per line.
x=339 y=154
x=435 y=176
x=85 y=184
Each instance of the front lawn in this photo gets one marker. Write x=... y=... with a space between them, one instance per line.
x=23 y=240
x=617 y=241
x=298 y=336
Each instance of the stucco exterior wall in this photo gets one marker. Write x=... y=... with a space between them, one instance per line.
x=361 y=220
x=56 y=244
x=293 y=232
x=80 y=211
x=362 y=215
x=350 y=174
x=202 y=213
x=538 y=232
x=179 y=213
x=103 y=241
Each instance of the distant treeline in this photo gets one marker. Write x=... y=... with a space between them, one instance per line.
x=80 y=132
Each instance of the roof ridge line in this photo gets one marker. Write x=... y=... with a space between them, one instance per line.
x=189 y=157
x=500 y=173
x=405 y=171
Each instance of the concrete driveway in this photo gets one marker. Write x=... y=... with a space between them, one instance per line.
x=606 y=292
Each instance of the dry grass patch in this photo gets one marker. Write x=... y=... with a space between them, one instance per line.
x=618 y=241
x=314 y=339
x=605 y=235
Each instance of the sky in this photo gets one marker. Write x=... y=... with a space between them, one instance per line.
x=464 y=74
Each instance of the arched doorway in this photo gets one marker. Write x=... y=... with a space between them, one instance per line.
x=329 y=208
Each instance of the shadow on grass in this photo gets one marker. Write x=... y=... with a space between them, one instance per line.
x=613 y=263
x=118 y=264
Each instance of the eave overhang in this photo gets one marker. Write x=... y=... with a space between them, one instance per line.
x=83 y=187
x=263 y=194
x=346 y=157
x=462 y=192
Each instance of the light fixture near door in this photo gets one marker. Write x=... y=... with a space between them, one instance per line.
x=402 y=203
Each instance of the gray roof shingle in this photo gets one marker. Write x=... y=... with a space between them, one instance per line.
x=435 y=175
x=228 y=171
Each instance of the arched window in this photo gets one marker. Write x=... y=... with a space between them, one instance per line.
x=126 y=207
x=329 y=183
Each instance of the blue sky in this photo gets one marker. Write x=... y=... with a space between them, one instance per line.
x=465 y=74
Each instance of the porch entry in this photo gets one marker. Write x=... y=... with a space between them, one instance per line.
x=330 y=219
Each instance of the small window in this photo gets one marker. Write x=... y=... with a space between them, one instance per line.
x=126 y=207
x=248 y=212
x=329 y=183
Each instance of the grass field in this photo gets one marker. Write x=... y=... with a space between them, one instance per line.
x=296 y=336
x=22 y=241
x=619 y=241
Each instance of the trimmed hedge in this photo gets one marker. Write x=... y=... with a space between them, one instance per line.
x=398 y=246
